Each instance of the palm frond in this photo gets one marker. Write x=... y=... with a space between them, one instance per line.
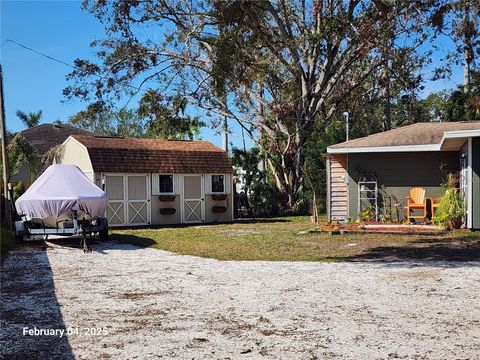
x=54 y=155
x=22 y=153
x=31 y=119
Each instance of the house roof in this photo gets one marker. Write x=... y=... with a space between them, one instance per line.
x=117 y=154
x=45 y=136
x=416 y=137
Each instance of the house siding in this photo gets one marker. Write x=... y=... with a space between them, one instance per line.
x=475 y=183
x=337 y=187
x=397 y=173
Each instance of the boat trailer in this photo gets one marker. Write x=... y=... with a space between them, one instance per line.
x=27 y=230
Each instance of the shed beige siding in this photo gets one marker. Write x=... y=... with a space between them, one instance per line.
x=76 y=154
x=218 y=217
x=338 y=187
x=163 y=219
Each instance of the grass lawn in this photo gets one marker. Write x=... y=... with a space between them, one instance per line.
x=278 y=239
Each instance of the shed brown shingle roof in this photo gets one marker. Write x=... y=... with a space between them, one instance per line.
x=115 y=154
x=415 y=134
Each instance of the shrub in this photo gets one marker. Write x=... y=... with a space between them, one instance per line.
x=451 y=210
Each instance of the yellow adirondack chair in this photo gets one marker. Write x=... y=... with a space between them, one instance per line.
x=417 y=201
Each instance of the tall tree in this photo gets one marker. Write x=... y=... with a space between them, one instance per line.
x=31 y=119
x=101 y=119
x=281 y=66
x=168 y=120
x=459 y=20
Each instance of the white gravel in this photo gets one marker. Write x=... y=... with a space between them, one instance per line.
x=154 y=304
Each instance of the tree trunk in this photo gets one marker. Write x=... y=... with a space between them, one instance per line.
x=467 y=53
x=387 y=122
x=288 y=174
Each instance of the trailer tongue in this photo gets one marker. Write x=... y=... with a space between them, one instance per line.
x=62 y=201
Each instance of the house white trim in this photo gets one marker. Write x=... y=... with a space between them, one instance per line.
x=407 y=148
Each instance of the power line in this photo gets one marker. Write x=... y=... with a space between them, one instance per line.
x=123 y=84
x=6 y=41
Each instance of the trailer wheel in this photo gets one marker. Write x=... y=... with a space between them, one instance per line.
x=103 y=234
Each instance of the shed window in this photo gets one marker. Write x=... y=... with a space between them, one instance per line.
x=166 y=184
x=218 y=183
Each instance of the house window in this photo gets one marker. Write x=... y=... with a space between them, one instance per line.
x=218 y=184
x=166 y=184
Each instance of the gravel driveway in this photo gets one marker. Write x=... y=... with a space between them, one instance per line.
x=150 y=304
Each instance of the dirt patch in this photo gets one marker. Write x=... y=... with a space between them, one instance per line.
x=240 y=232
x=152 y=307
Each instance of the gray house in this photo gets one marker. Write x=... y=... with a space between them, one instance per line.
x=379 y=170
x=156 y=182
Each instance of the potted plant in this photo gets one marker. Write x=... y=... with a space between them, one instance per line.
x=451 y=210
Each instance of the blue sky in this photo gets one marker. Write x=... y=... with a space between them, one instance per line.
x=62 y=30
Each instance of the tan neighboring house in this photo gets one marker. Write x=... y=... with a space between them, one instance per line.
x=156 y=182
x=44 y=137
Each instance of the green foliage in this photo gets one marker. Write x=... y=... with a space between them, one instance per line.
x=22 y=153
x=101 y=119
x=153 y=118
x=465 y=105
x=18 y=190
x=437 y=105
x=260 y=195
x=128 y=123
x=315 y=163
x=31 y=119
x=451 y=210
x=168 y=121
x=367 y=215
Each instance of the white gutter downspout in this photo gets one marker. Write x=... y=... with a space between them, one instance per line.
x=469 y=185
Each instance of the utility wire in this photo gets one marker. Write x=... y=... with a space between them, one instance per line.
x=6 y=41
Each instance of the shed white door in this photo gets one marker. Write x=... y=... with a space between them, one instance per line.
x=128 y=196
x=193 y=204
x=115 y=189
x=137 y=199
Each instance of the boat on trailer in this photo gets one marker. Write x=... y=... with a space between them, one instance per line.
x=62 y=202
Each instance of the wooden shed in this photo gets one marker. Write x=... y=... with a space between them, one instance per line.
x=156 y=182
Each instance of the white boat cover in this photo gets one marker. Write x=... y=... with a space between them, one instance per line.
x=59 y=189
